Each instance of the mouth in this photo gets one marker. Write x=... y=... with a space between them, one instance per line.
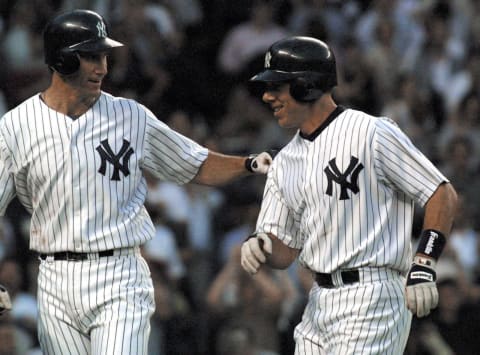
x=95 y=82
x=277 y=110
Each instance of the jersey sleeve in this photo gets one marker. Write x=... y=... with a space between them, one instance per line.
x=276 y=217
x=7 y=185
x=170 y=156
x=403 y=166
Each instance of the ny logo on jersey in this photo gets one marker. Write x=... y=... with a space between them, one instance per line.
x=102 y=30
x=334 y=174
x=107 y=154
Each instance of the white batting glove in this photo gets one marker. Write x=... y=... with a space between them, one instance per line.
x=254 y=252
x=422 y=293
x=260 y=163
x=5 y=303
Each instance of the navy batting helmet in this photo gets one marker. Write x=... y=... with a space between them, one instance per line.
x=72 y=32
x=307 y=63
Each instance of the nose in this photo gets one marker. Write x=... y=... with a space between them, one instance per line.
x=102 y=65
x=268 y=96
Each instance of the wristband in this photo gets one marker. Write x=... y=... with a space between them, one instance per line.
x=431 y=243
x=248 y=162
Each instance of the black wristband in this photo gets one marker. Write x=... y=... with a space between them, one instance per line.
x=248 y=163
x=431 y=243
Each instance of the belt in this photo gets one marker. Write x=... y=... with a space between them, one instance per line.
x=345 y=277
x=74 y=256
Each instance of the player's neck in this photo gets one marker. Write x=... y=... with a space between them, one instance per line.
x=67 y=100
x=319 y=112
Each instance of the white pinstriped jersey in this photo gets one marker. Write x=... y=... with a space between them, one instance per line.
x=345 y=195
x=82 y=179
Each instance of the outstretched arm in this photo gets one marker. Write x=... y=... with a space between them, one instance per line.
x=219 y=169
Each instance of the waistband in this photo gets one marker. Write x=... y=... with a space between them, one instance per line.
x=350 y=276
x=79 y=256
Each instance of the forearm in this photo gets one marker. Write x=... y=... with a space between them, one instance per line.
x=282 y=256
x=219 y=169
x=440 y=209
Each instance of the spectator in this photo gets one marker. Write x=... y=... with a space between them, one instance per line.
x=248 y=39
x=24 y=306
x=235 y=296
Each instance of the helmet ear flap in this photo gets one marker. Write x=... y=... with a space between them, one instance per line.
x=66 y=63
x=303 y=89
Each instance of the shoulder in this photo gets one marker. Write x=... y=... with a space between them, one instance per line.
x=109 y=99
x=370 y=122
x=18 y=114
x=124 y=105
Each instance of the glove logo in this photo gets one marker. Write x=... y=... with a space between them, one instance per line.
x=415 y=275
x=334 y=174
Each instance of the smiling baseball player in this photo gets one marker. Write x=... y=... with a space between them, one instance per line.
x=74 y=156
x=340 y=196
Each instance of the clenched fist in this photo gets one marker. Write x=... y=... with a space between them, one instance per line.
x=5 y=303
x=422 y=293
x=260 y=163
x=254 y=252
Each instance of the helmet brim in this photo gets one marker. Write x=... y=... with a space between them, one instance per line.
x=96 y=45
x=273 y=76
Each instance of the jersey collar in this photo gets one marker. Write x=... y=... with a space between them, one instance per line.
x=311 y=137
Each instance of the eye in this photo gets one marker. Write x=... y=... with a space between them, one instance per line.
x=92 y=56
x=275 y=85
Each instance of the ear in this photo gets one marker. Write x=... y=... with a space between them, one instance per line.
x=66 y=63
x=303 y=89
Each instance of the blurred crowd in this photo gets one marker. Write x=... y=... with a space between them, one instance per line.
x=417 y=62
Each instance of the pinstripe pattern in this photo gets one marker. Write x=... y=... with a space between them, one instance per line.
x=111 y=300
x=341 y=228
x=82 y=182
x=54 y=163
x=347 y=321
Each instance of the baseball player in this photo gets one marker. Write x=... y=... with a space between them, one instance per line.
x=340 y=197
x=74 y=156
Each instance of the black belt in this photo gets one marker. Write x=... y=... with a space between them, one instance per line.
x=73 y=256
x=347 y=276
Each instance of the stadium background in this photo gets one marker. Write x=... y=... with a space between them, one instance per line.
x=417 y=62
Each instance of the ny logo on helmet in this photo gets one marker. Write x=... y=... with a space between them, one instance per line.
x=102 y=30
x=268 y=57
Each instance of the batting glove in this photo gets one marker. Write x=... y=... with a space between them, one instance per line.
x=5 y=303
x=254 y=252
x=422 y=293
x=260 y=163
